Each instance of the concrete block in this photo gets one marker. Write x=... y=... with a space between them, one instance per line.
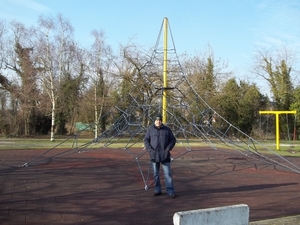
x=226 y=215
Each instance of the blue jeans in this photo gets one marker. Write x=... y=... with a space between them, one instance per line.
x=166 y=166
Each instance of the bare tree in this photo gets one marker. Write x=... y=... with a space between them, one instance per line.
x=99 y=68
x=57 y=58
x=2 y=33
x=4 y=85
x=20 y=80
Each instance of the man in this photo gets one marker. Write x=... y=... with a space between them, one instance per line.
x=159 y=141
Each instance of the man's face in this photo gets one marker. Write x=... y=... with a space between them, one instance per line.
x=158 y=123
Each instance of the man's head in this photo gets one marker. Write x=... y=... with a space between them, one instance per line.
x=158 y=120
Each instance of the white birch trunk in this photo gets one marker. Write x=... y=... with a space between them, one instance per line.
x=52 y=121
x=96 y=113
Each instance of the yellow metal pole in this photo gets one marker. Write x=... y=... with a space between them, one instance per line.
x=277 y=131
x=165 y=72
x=279 y=112
x=277 y=122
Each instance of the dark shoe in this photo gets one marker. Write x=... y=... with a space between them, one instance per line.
x=157 y=193
x=172 y=195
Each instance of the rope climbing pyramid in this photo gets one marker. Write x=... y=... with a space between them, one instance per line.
x=189 y=116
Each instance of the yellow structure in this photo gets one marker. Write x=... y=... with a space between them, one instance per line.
x=277 y=122
x=165 y=72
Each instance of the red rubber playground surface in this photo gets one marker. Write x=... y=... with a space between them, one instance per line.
x=106 y=186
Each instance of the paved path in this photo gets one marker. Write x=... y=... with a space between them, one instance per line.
x=289 y=220
x=106 y=187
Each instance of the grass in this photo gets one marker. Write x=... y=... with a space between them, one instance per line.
x=287 y=148
x=32 y=143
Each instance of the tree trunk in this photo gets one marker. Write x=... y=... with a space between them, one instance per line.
x=52 y=118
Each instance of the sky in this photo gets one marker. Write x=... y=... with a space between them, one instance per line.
x=234 y=29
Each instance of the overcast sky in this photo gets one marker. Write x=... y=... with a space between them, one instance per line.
x=234 y=29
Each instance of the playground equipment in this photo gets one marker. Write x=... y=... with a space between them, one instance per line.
x=277 y=113
x=165 y=72
x=189 y=116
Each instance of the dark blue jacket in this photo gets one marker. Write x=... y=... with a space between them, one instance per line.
x=159 y=142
